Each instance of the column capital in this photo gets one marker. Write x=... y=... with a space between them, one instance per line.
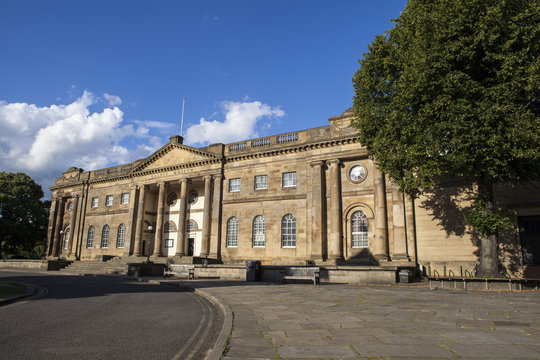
x=184 y=180
x=207 y=177
x=217 y=176
x=334 y=161
x=317 y=163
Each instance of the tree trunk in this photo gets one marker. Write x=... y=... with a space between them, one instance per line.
x=489 y=260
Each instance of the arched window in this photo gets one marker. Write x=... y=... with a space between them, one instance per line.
x=232 y=232
x=66 y=238
x=90 y=238
x=191 y=225
x=121 y=236
x=105 y=237
x=288 y=231
x=359 y=230
x=170 y=226
x=259 y=231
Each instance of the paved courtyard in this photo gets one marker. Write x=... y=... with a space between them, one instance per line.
x=302 y=321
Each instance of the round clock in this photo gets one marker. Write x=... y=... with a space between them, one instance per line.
x=357 y=173
x=70 y=206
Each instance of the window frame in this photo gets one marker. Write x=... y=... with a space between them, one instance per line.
x=265 y=183
x=258 y=231
x=66 y=237
x=109 y=199
x=105 y=234
x=124 y=199
x=232 y=183
x=95 y=202
x=231 y=234
x=121 y=236
x=169 y=226
x=359 y=238
x=285 y=182
x=90 y=237
x=169 y=243
x=288 y=236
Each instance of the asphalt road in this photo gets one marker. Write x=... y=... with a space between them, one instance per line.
x=89 y=317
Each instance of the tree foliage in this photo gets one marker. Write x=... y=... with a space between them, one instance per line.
x=453 y=90
x=23 y=216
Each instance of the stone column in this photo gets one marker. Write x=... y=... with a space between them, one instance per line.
x=158 y=242
x=58 y=227
x=139 y=225
x=215 y=234
x=335 y=248
x=181 y=244
x=380 y=245
x=130 y=231
x=398 y=221
x=51 y=229
x=205 y=245
x=409 y=223
x=72 y=224
x=318 y=225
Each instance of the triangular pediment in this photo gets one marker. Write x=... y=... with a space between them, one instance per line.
x=174 y=154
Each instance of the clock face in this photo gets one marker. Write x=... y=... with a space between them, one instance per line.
x=70 y=206
x=357 y=173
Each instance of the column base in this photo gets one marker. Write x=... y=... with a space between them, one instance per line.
x=401 y=257
x=214 y=256
x=179 y=254
x=381 y=257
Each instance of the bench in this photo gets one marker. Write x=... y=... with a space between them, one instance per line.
x=301 y=273
x=180 y=269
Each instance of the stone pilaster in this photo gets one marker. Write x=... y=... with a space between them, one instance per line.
x=58 y=228
x=140 y=223
x=410 y=225
x=205 y=245
x=181 y=245
x=158 y=242
x=51 y=227
x=130 y=231
x=335 y=246
x=318 y=225
x=380 y=245
x=398 y=221
x=215 y=239
x=74 y=214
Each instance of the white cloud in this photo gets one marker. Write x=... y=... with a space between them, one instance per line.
x=113 y=100
x=44 y=141
x=241 y=122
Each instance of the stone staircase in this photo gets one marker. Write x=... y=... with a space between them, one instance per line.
x=116 y=265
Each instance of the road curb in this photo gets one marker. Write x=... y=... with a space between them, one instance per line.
x=30 y=291
x=221 y=342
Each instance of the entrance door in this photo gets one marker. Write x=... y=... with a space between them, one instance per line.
x=191 y=246
x=529 y=234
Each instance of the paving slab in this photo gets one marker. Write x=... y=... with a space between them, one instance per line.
x=302 y=321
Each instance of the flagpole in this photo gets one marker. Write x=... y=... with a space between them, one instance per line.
x=182 y=121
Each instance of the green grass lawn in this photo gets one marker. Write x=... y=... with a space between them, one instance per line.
x=10 y=288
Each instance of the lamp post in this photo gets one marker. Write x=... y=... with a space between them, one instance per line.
x=150 y=243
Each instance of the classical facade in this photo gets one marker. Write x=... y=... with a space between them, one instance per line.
x=312 y=195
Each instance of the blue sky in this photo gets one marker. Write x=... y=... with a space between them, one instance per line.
x=97 y=83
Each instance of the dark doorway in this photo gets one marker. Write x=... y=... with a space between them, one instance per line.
x=191 y=246
x=529 y=233
x=144 y=248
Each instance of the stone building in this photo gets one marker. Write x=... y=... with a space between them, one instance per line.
x=312 y=195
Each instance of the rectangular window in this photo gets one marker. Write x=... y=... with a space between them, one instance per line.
x=289 y=179
x=95 y=202
x=261 y=182
x=169 y=243
x=125 y=198
x=234 y=185
x=108 y=200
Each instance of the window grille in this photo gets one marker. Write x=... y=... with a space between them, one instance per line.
x=288 y=231
x=105 y=237
x=232 y=232
x=120 y=239
x=359 y=230
x=259 y=231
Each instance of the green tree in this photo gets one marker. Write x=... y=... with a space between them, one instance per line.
x=453 y=90
x=23 y=216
